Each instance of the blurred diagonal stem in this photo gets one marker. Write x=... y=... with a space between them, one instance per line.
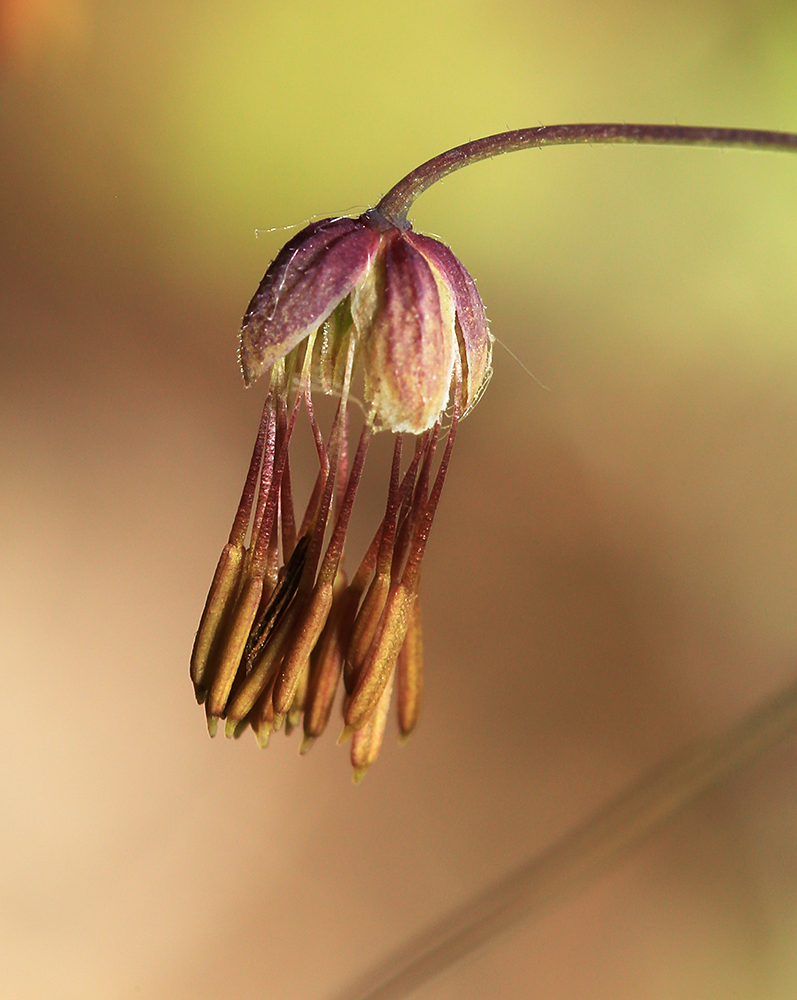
x=603 y=840
x=397 y=202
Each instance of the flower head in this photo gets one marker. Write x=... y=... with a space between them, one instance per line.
x=283 y=622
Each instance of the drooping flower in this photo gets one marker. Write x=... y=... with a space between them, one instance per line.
x=283 y=622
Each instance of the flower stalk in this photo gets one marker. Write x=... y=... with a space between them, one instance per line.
x=395 y=205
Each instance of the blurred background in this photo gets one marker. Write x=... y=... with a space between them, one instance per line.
x=613 y=569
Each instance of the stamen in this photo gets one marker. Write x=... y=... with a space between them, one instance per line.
x=305 y=390
x=334 y=553
x=272 y=487
x=313 y=504
x=326 y=662
x=335 y=446
x=354 y=594
x=286 y=513
x=343 y=468
x=409 y=674
x=421 y=533
x=369 y=614
x=414 y=502
x=263 y=489
x=248 y=597
x=262 y=716
x=228 y=570
x=215 y=614
x=235 y=642
x=367 y=742
x=243 y=514
x=294 y=714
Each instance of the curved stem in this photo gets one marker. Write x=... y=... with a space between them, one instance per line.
x=603 y=840
x=395 y=205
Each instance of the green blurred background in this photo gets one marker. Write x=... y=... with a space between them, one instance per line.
x=613 y=571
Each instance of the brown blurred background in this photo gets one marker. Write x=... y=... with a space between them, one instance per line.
x=613 y=570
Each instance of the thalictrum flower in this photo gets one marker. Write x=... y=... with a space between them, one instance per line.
x=283 y=622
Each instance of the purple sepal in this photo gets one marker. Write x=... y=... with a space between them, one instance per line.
x=472 y=331
x=408 y=354
x=309 y=277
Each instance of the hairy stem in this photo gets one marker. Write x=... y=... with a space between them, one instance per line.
x=395 y=205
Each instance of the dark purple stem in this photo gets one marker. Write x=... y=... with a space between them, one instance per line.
x=395 y=205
